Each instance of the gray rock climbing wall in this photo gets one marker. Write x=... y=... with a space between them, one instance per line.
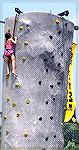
x=33 y=104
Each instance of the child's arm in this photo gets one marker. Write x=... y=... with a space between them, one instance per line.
x=14 y=41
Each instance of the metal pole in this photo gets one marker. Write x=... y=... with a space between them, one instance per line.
x=2 y=22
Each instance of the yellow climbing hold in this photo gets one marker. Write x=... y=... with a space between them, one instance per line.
x=18 y=114
x=14 y=104
x=5 y=117
x=21 y=27
x=73 y=119
x=26 y=43
x=57 y=21
x=7 y=132
x=27 y=101
x=17 y=85
x=8 y=99
x=25 y=135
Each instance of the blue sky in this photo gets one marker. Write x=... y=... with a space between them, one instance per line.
x=8 y=9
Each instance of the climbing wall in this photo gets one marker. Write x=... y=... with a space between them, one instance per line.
x=33 y=104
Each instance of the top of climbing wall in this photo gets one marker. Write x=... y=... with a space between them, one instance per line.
x=30 y=18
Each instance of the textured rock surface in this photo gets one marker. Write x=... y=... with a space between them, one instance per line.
x=36 y=119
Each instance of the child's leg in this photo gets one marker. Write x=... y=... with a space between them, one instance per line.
x=13 y=64
x=7 y=65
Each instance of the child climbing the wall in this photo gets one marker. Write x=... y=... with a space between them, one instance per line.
x=9 y=52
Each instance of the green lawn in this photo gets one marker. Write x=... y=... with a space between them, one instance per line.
x=71 y=136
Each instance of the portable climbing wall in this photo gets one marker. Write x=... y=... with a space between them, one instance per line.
x=33 y=104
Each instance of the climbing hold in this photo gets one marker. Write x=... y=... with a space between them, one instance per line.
x=73 y=119
x=23 y=59
x=17 y=85
x=50 y=36
x=26 y=43
x=61 y=124
x=5 y=117
x=7 y=132
x=14 y=104
x=40 y=118
x=46 y=70
x=62 y=54
x=25 y=135
x=46 y=102
x=39 y=82
x=27 y=101
x=18 y=114
x=8 y=99
x=53 y=98
x=59 y=32
x=53 y=56
x=51 y=117
x=66 y=24
x=45 y=59
x=54 y=136
x=59 y=83
x=57 y=21
x=51 y=86
x=58 y=64
x=46 y=139
x=21 y=27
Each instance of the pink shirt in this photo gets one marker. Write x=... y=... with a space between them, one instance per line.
x=9 y=45
x=9 y=48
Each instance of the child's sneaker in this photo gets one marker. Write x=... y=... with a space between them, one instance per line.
x=14 y=74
